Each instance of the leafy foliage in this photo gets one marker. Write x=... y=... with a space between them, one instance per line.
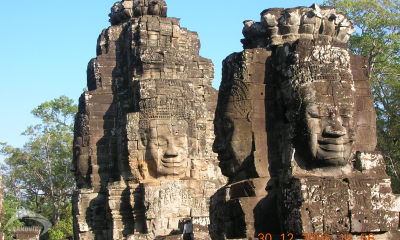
x=38 y=175
x=10 y=204
x=64 y=227
x=378 y=38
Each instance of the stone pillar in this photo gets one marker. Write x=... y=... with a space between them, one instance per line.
x=144 y=125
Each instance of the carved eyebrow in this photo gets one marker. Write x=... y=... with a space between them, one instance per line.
x=227 y=118
x=180 y=140
x=229 y=115
x=314 y=114
x=313 y=110
x=345 y=110
x=161 y=141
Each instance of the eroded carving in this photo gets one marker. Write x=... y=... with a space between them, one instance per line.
x=127 y=9
x=323 y=106
x=280 y=25
x=243 y=208
x=323 y=84
x=233 y=143
x=165 y=128
x=81 y=151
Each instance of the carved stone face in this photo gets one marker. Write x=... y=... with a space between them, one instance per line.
x=233 y=139
x=80 y=163
x=166 y=148
x=326 y=133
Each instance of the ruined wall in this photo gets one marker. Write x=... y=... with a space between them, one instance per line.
x=321 y=169
x=143 y=134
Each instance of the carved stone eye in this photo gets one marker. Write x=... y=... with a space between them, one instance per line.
x=332 y=17
x=346 y=121
x=314 y=114
x=227 y=123
x=310 y=14
x=77 y=151
x=162 y=142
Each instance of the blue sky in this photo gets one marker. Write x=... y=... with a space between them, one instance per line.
x=45 y=47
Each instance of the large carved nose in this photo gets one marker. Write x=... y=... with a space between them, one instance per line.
x=218 y=145
x=171 y=149
x=72 y=168
x=335 y=129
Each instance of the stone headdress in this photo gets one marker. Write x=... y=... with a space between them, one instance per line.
x=127 y=9
x=164 y=99
x=234 y=87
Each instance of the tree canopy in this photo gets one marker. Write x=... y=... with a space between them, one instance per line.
x=37 y=175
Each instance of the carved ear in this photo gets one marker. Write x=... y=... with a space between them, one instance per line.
x=250 y=115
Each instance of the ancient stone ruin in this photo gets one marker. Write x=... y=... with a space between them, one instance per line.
x=294 y=124
x=143 y=158
x=296 y=134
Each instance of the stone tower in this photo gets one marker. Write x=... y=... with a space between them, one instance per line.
x=143 y=161
x=296 y=134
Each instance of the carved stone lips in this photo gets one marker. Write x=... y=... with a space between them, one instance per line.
x=333 y=147
x=171 y=162
x=224 y=156
x=335 y=141
x=334 y=144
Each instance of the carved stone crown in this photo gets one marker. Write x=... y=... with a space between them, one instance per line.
x=234 y=86
x=238 y=93
x=127 y=9
x=176 y=109
x=286 y=25
x=166 y=99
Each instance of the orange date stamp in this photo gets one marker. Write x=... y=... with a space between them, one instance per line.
x=319 y=236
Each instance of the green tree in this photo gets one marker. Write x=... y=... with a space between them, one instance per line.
x=65 y=226
x=377 y=37
x=38 y=174
x=10 y=204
